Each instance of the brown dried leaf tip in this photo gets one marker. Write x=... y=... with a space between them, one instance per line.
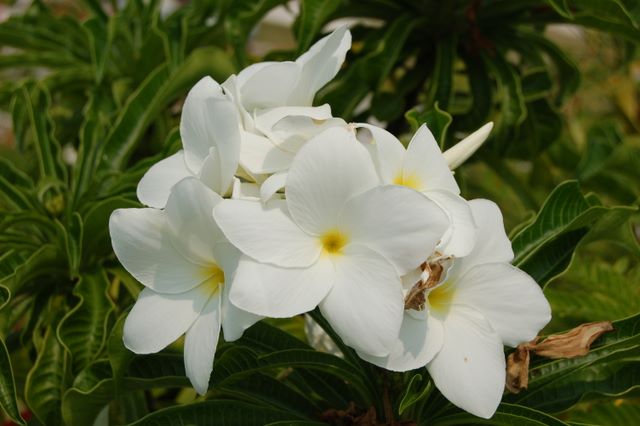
x=416 y=298
x=518 y=369
x=573 y=343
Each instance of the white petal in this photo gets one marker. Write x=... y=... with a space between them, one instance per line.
x=280 y=292
x=401 y=224
x=492 y=243
x=258 y=155
x=425 y=166
x=461 y=236
x=245 y=191
x=209 y=119
x=190 y=217
x=386 y=150
x=266 y=232
x=469 y=370
x=156 y=319
x=365 y=305
x=142 y=242
x=509 y=298
x=271 y=185
x=200 y=344
x=211 y=174
x=268 y=86
x=320 y=64
x=289 y=128
x=460 y=152
x=155 y=186
x=328 y=170
x=235 y=320
x=419 y=341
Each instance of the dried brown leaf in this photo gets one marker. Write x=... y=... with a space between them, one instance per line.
x=518 y=369
x=573 y=343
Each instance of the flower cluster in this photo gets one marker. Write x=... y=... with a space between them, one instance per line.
x=274 y=208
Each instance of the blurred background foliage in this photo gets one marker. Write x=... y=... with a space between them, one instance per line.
x=90 y=97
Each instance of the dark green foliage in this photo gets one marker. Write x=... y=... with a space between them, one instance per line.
x=113 y=83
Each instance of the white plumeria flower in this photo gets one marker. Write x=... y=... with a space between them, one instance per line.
x=274 y=100
x=422 y=167
x=338 y=240
x=186 y=265
x=480 y=304
x=210 y=132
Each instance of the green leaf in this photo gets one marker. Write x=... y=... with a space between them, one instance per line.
x=96 y=241
x=414 y=393
x=480 y=88
x=602 y=139
x=437 y=120
x=545 y=247
x=100 y=35
x=611 y=367
x=512 y=107
x=72 y=237
x=46 y=381
x=93 y=387
x=83 y=331
x=567 y=73
x=264 y=389
x=216 y=412
x=441 y=81
x=506 y=415
x=31 y=114
x=155 y=93
x=8 y=400
x=5 y=294
x=313 y=15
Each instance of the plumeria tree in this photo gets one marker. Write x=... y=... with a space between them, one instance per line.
x=392 y=220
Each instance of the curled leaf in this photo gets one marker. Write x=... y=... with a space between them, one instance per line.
x=573 y=343
x=518 y=369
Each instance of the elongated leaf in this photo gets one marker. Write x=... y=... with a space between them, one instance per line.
x=545 y=247
x=5 y=294
x=31 y=113
x=8 y=400
x=269 y=391
x=437 y=120
x=160 y=87
x=611 y=367
x=100 y=36
x=46 y=381
x=313 y=15
x=507 y=415
x=441 y=81
x=414 y=392
x=94 y=387
x=83 y=331
x=216 y=412
x=567 y=73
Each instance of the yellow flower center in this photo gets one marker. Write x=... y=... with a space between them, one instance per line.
x=333 y=241
x=214 y=278
x=408 y=180
x=440 y=298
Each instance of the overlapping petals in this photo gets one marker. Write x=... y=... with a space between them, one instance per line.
x=182 y=258
x=274 y=207
x=330 y=217
x=481 y=303
x=423 y=167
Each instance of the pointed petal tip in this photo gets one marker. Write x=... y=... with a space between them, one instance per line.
x=460 y=152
